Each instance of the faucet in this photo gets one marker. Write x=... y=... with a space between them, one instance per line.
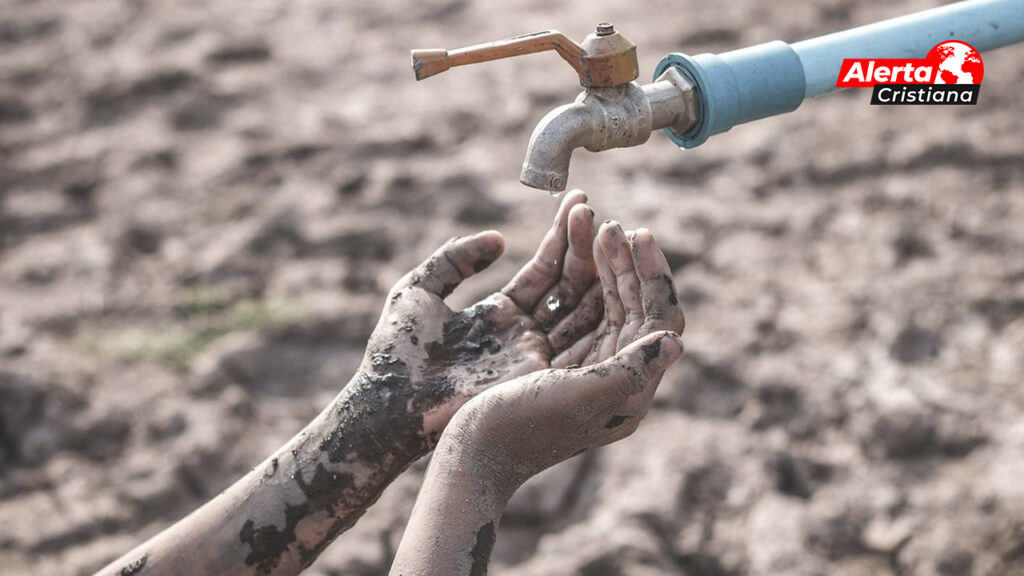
x=695 y=97
x=613 y=111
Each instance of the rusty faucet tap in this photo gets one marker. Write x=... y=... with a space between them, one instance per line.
x=606 y=57
x=612 y=112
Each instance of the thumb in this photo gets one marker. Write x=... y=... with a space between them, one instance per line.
x=639 y=366
x=456 y=260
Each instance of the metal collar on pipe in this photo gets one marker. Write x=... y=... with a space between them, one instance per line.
x=737 y=87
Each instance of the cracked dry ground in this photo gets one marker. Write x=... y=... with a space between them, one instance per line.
x=202 y=205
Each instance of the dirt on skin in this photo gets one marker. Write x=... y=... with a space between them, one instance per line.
x=202 y=206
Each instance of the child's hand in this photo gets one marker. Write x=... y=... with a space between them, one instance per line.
x=541 y=419
x=438 y=359
x=517 y=429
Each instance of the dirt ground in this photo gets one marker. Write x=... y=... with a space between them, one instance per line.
x=203 y=203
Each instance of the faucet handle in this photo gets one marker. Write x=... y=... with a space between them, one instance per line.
x=606 y=58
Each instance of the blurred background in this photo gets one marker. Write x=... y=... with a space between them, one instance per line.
x=202 y=205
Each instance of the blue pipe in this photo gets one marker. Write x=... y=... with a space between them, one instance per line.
x=984 y=24
x=775 y=77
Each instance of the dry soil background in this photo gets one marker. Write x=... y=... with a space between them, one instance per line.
x=202 y=204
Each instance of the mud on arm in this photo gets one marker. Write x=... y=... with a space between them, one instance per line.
x=422 y=362
x=280 y=516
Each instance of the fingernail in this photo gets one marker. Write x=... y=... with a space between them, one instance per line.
x=673 y=339
x=582 y=207
x=666 y=349
x=498 y=243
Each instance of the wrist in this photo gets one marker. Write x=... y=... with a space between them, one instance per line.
x=463 y=498
x=369 y=424
x=471 y=460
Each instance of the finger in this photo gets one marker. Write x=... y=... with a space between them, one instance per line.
x=581 y=321
x=615 y=244
x=575 y=355
x=457 y=260
x=637 y=368
x=544 y=269
x=578 y=271
x=657 y=291
x=606 y=342
x=631 y=330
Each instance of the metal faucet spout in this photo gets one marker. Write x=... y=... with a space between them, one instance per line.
x=559 y=133
x=605 y=118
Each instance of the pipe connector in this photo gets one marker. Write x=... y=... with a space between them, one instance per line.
x=737 y=87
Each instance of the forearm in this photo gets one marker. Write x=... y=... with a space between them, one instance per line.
x=454 y=523
x=280 y=516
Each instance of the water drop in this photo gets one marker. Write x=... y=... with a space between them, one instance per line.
x=554 y=303
x=555 y=193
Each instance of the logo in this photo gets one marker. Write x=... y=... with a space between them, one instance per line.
x=950 y=73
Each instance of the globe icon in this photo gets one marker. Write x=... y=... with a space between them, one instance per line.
x=956 y=62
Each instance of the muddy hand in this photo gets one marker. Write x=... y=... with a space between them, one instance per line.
x=440 y=358
x=566 y=411
x=513 y=431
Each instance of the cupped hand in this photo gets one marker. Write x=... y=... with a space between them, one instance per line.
x=518 y=429
x=440 y=358
x=528 y=424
